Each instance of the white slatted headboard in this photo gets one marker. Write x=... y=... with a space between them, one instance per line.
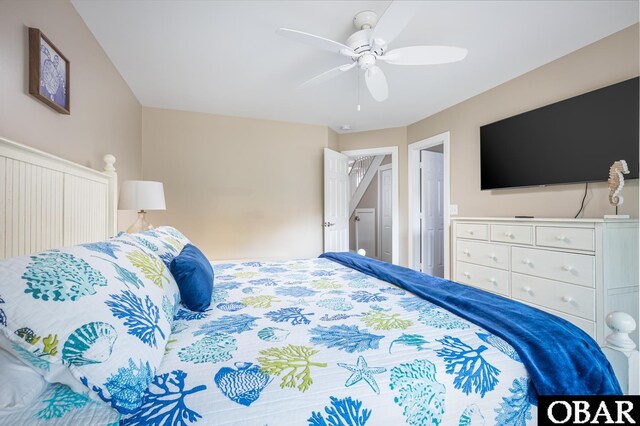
x=48 y=202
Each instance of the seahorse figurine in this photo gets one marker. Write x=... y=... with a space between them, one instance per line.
x=616 y=181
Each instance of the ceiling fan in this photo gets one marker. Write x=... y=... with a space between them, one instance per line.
x=367 y=46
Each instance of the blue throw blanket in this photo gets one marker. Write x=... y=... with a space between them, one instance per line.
x=560 y=358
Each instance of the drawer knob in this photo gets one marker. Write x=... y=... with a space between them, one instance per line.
x=567 y=268
x=466 y=251
x=493 y=281
x=493 y=257
x=470 y=231
x=562 y=238
x=466 y=274
x=527 y=262
x=509 y=235
x=527 y=289
x=567 y=299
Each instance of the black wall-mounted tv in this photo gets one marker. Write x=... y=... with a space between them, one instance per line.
x=575 y=140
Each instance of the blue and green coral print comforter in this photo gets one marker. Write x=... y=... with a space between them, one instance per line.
x=311 y=342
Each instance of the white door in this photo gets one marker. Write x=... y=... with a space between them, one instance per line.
x=336 y=201
x=432 y=208
x=385 y=211
x=366 y=231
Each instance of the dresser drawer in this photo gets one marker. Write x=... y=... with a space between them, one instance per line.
x=587 y=326
x=568 y=238
x=486 y=254
x=568 y=298
x=555 y=265
x=475 y=231
x=482 y=277
x=517 y=234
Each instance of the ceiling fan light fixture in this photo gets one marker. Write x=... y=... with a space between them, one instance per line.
x=366 y=61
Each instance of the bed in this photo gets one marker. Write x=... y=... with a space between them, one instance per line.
x=304 y=342
x=339 y=343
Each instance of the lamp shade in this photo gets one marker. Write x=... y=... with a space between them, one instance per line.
x=141 y=195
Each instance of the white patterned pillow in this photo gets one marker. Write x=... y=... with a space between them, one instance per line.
x=97 y=315
x=165 y=241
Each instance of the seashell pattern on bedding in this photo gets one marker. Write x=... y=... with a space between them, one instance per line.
x=242 y=384
x=91 y=343
x=273 y=334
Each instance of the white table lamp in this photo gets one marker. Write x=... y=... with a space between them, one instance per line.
x=141 y=195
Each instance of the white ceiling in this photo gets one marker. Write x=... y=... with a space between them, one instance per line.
x=224 y=57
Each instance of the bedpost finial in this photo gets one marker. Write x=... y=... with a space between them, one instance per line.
x=109 y=161
x=621 y=324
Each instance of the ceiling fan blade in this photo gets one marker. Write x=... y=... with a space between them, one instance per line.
x=327 y=75
x=316 y=41
x=393 y=21
x=424 y=55
x=377 y=83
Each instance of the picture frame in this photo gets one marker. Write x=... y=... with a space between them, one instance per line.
x=49 y=72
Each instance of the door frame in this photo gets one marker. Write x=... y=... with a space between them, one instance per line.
x=395 y=209
x=414 y=197
x=379 y=217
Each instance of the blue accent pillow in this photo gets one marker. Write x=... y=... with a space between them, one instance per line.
x=194 y=275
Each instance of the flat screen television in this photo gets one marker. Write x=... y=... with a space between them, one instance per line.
x=575 y=140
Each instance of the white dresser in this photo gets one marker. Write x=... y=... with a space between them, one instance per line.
x=577 y=269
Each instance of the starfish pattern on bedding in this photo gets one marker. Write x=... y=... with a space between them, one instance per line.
x=361 y=371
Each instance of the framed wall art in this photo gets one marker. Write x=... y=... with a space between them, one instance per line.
x=48 y=72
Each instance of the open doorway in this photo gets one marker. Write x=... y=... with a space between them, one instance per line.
x=373 y=201
x=429 y=205
x=371 y=218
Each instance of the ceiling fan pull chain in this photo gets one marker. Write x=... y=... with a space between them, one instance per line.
x=358 y=106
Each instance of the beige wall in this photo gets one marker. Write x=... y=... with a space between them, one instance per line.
x=239 y=188
x=381 y=138
x=605 y=62
x=105 y=115
x=333 y=140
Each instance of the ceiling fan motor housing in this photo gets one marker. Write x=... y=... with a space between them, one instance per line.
x=359 y=42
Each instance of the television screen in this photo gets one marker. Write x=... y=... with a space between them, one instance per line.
x=575 y=140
